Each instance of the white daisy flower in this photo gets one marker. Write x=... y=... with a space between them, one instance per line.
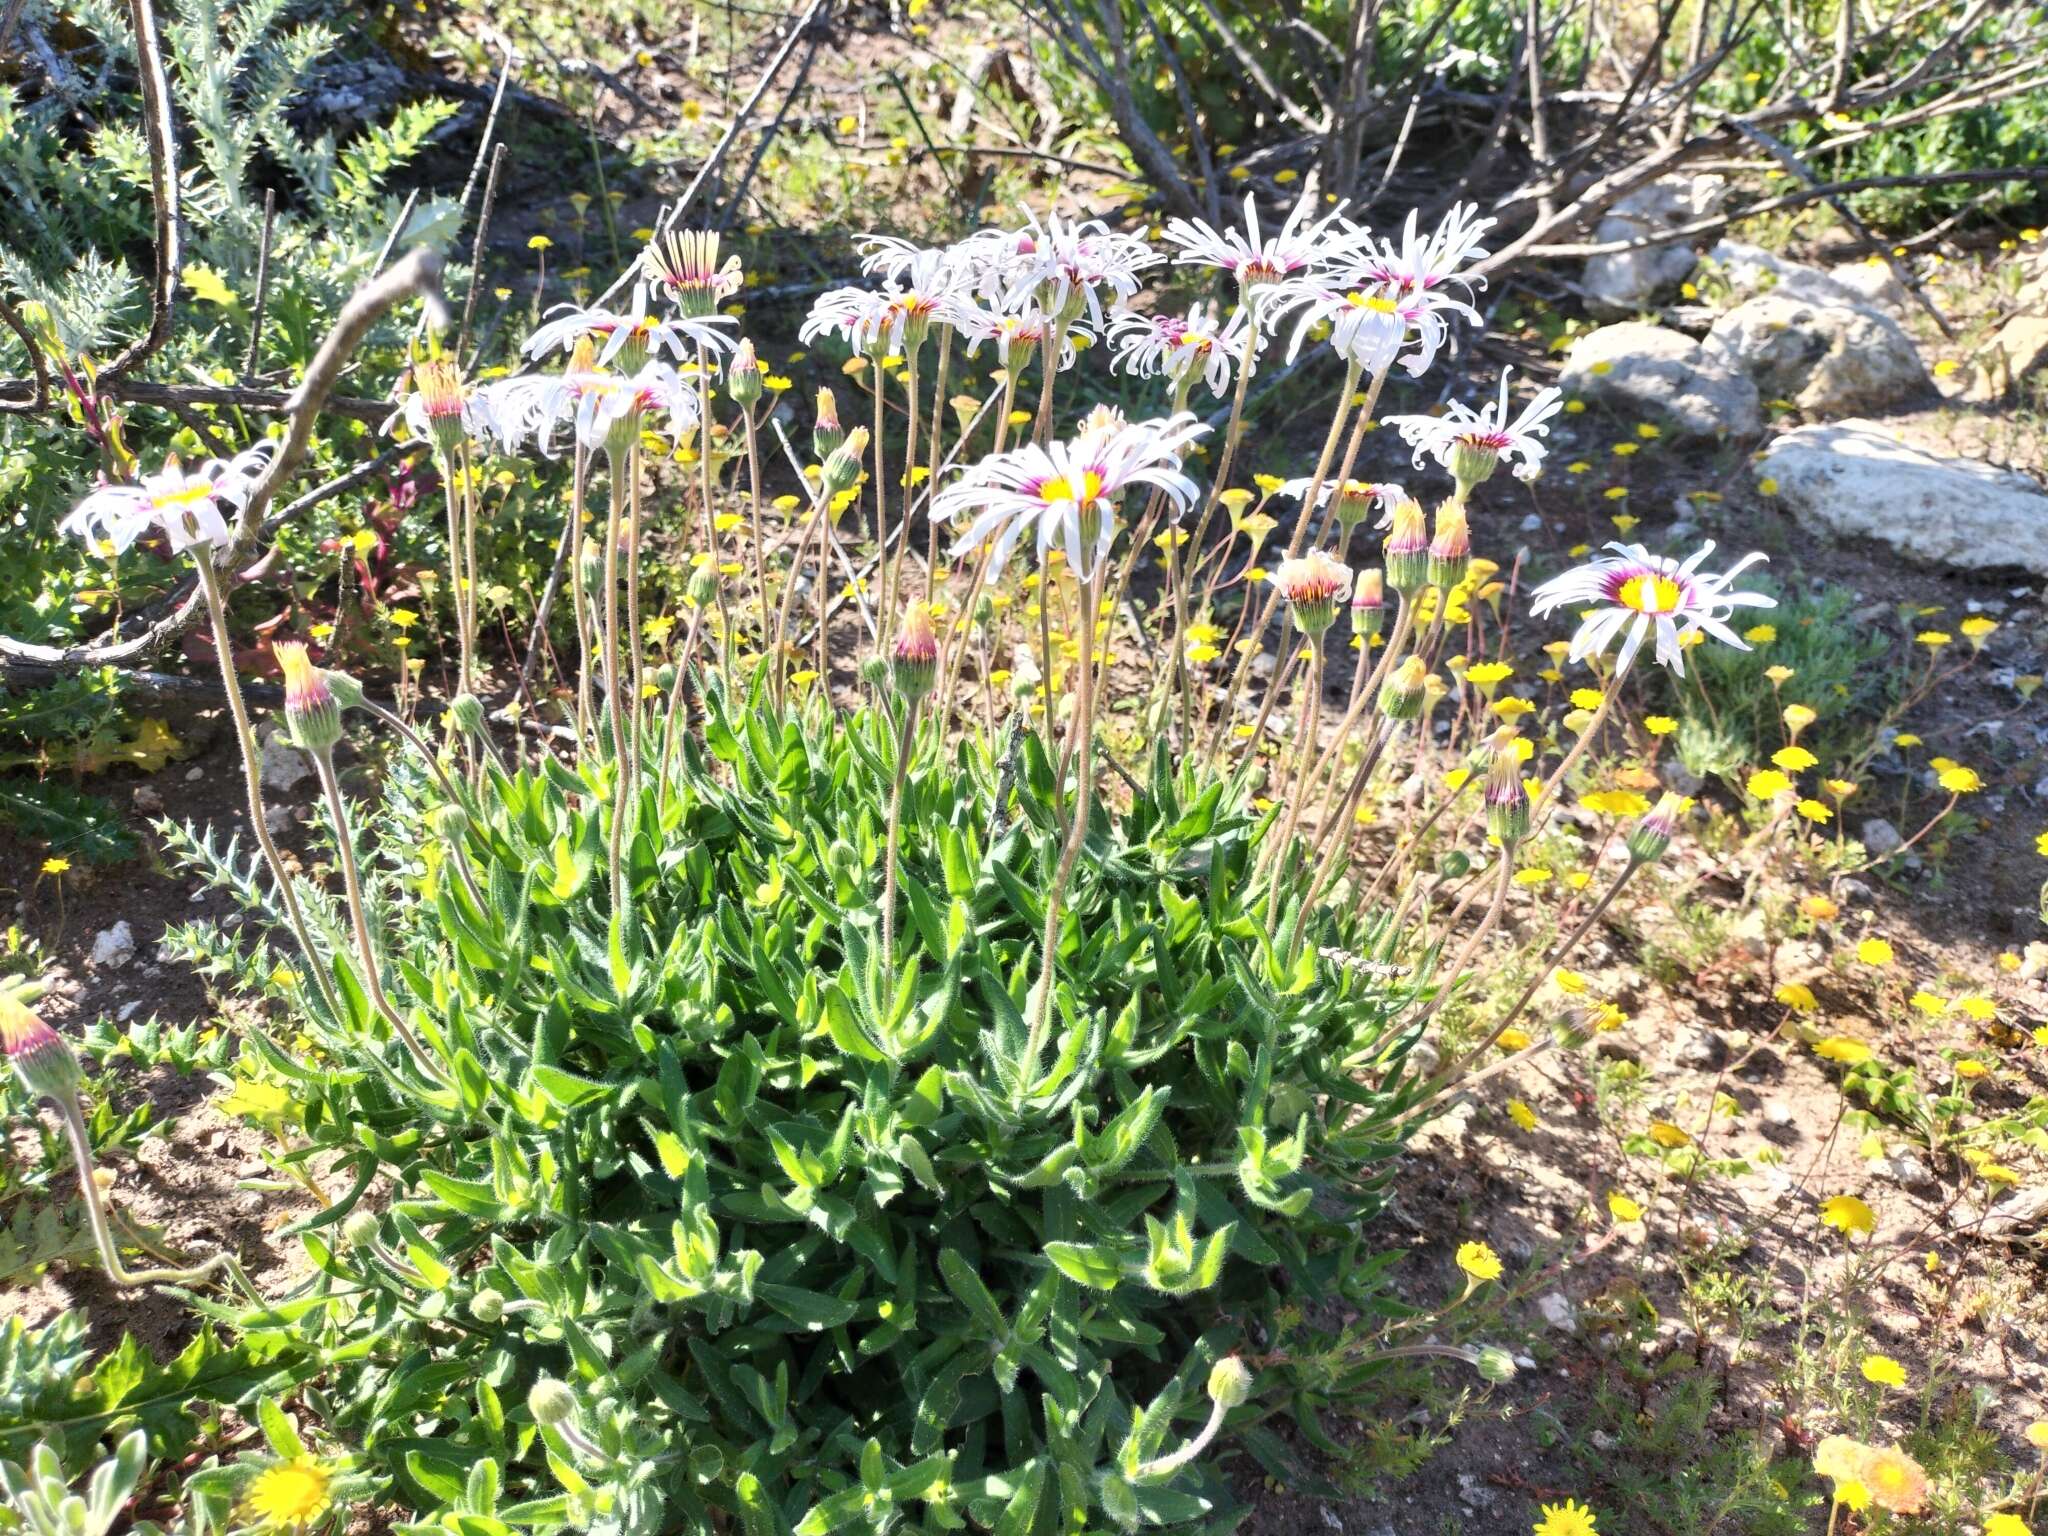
x=894 y=319
x=1635 y=594
x=184 y=505
x=1069 y=490
x=594 y=401
x=1067 y=267
x=1301 y=244
x=1470 y=443
x=684 y=264
x=1017 y=335
x=1178 y=345
x=652 y=334
x=1355 y=498
x=1422 y=266
x=444 y=407
x=1372 y=325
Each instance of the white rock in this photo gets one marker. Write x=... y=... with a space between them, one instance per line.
x=113 y=947
x=1557 y=1311
x=1880 y=837
x=1662 y=375
x=1828 y=359
x=284 y=765
x=1854 y=479
x=1874 y=284
x=1625 y=281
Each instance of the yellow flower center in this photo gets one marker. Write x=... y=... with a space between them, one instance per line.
x=1060 y=488
x=1649 y=594
x=197 y=491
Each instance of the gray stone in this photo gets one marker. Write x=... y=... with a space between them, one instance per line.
x=1875 y=285
x=147 y=800
x=284 y=765
x=1662 y=375
x=1557 y=1312
x=113 y=947
x=1704 y=1051
x=1827 y=359
x=1856 y=480
x=1750 y=270
x=1909 y=1172
x=1880 y=838
x=1623 y=282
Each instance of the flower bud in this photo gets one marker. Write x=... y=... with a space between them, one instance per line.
x=449 y=821
x=826 y=433
x=311 y=716
x=1313 y=586
x=743 y=375
x=439 y=384
x=1230 y=1382
x=1353 y=503
x=487 y=1306
x=1495 y=1364
x=1368 y=602
x=842 y=468
x=41 y=1058
x=665 y=676
x=703 y=588
x=1450 y=552
x=551 y=1402
x=1401 y=694
x=1507 y=798
x=914 y=667
x=360 y=1230
x=874 y=671
x=467 y=711
x=1651 y=836
x=1455 y=865
x=1407 y=549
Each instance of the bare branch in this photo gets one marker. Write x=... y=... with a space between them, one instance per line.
x=40 y=400
x=163 y=191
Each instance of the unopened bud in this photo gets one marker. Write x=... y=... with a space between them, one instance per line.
x=874 y=670
x=826 y=433
x=1230 y=1382
x=1507 y=797
x=448 y=820
x=743 y=375
x=914 y=668
x=360 y=1230
x=1495 y=1364
x=703 y=589
x=1407 y=549
x=1401 y=694
x=311 y=716
x=467 y=711
x=348 y=693
x=1368 y=602
x=551 y=1402
x=487 y=1306
x=1450 y=552
x=1650 y=837
x=42 y=1059
x=842 y=467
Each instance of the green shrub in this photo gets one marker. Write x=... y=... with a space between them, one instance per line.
x=793 y=1228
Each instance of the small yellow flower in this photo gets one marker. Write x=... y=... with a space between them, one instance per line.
x=1793 y=759
x=1841 y=1048
x=1570 y=1518
x=1874 y=951
x=1798 y=717
x=1819 y=908
x=1479 y=1261
x=1798 y=998
x=1934 y=639
x=1659 y=725
x=1813 y=810
x=1667 y=1135
x=289 y=1496
x=1622 y=1208
x=1847 y=1215
x=1960 y=781
x=1884 y=1371
x=1522 y=1114
x=1760 y=634
x=1512 y=1040
x=1768 y=784
x=56 y=865
x=2003 y=1524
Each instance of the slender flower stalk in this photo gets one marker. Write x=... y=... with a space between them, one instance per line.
x=45 y=1066
x=913 y=672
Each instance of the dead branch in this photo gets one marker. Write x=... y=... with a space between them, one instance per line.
x=164 y=191
x=40 y=399
x=419 y=273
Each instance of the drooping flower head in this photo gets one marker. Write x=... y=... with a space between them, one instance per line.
x=1372 y=325
x=1180 y=346
x=1649 y=839
x=684 y=264
x=1018 y=334
x=928 y=288
x=1355 y=499
x=606 y=408
x=1507 y=797
x=41 y=1057
x=1255 y=258
x=629 y=339
x=184 y=505
x=1406 y=547
x=1069 y=490
x=444 y=408
x=1634 y=594
x=1313 y=586
x=311 y=716
x=1470 y=444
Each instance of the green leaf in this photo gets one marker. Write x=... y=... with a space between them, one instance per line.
x=1094 y=1265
